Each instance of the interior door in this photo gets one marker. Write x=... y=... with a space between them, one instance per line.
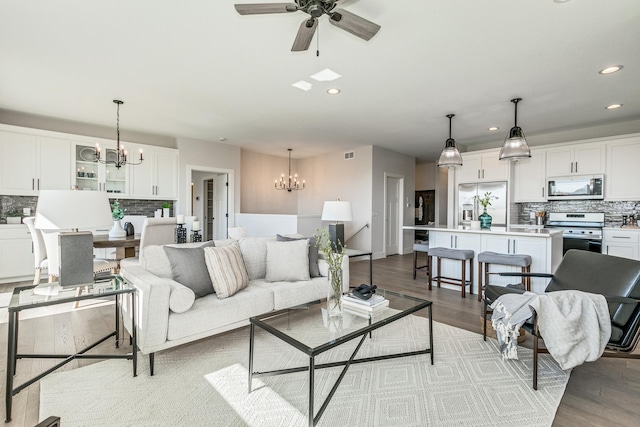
x=392 y=217
x=220 y=206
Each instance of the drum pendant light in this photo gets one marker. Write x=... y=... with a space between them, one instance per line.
x=450 y=156
x=515 y=145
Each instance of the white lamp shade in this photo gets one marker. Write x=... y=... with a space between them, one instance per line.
x=69 y=209
x=337 y=210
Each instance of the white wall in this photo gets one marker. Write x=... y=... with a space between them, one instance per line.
x=426 y=176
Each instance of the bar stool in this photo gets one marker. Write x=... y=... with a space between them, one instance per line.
x=462 y=255
x=486 y=258
x=420 y=247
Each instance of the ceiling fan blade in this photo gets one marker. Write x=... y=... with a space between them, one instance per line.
x=354 y=24
x=260 y=8
x=304 y=36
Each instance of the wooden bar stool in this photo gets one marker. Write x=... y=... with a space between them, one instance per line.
x=420 y=247
x=486 y=258
x=462 y=255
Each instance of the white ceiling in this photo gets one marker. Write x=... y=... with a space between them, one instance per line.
x=198 y=69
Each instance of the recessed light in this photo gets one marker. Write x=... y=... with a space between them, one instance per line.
x=492 y=128
x=613 y=106
x=222 y=139
x=302 y=85
x=611 y=70
x=561 y=1
x=333 y=91
x=325 y=75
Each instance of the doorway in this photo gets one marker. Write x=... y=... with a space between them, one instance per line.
x=212 y=200
x=393 y=196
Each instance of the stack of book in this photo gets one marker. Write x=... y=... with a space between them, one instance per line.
x=364 y=306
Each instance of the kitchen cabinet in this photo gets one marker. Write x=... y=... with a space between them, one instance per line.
x=529 y=178
x=16 y=254
x=579 y=159
x=157 y=176
x=485 y=166
x=621 y=243
x=453 y=240
x=29 y=163
x=532 y=246
x=622 y=178
x=90 y=175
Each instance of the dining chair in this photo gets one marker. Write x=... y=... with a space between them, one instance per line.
x=39 y=250
x=155 y=231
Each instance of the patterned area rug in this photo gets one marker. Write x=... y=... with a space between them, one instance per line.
x=205 y=384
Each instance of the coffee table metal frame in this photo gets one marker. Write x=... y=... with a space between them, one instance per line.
x=15 y=307
x=312 y=352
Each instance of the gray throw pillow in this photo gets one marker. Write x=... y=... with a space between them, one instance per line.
x=189 y=268
x=314 y=270
x=287 y=261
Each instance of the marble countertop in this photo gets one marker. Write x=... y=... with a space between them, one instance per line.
x=512 y=230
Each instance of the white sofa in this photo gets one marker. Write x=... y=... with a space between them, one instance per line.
x=162 y=321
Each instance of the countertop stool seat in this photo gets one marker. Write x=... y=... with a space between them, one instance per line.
x=462 y=255
x=486 y=258
x=420 y=247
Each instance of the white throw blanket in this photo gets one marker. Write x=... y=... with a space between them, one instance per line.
x=510 y=311
x=575 y=325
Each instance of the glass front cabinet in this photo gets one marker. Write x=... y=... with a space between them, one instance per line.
x=94 y=176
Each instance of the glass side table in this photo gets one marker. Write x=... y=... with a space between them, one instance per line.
x=29 y=297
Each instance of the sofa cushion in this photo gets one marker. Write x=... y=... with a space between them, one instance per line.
x=154 y=259
x=291 y=294
x=287 y=261
x=314 y=270
x=181 y=298
x=227 y=270
x=189 y=269
x=254 y=253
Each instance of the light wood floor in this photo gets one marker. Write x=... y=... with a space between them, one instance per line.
x=602 y=393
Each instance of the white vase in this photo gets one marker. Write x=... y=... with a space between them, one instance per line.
x=166 y=212
x=117 y=230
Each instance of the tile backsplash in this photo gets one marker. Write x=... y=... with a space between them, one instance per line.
x=613 y=211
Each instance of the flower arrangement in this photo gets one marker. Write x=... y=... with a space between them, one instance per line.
x=334 y=261
x=117 y=213
x=486 y=199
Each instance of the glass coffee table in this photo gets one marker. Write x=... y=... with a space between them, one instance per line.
x=329 y=333
x=30 y=297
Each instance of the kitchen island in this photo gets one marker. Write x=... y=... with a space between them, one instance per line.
x=544 y=245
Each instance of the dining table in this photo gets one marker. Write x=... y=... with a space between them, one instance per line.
x=125 y=246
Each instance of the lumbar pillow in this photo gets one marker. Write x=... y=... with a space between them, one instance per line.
x=314 y=270
x=189 y=269
x=287 y=261
x=227 y=270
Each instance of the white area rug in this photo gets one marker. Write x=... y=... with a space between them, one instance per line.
x=469 y=385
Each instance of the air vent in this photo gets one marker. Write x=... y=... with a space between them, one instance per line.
x=349 y=155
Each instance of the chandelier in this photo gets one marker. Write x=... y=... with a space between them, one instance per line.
x=120 y=154
x=292 y=183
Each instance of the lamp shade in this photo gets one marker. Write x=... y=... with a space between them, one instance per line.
x=337 y=210
x=515 y=145
x=72 y=209
x=450 y=156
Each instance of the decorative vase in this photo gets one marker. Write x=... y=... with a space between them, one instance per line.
x=334 y=294
x=117 y=230
x=166 y=212
x=485 y=220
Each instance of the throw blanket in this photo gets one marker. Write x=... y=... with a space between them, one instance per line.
x=510 y=311
x=575 y=325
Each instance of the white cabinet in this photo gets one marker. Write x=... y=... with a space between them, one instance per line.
x=16 y=254
x=621 y=243
x=533 y=246
x=485 y=166
x=157 y=176
x=453 y=240
x=29 y=163
x=579 y=159
x=529 y=178
x=90 y=175
x=622 y=178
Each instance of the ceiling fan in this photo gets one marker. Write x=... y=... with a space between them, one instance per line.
x=341 y=18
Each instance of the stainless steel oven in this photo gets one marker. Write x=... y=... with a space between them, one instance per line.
x=580 y=230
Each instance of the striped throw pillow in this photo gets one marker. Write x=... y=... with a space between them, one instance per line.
x=227 y=269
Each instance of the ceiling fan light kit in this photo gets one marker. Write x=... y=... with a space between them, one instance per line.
x=450 y=156
x=515 y=145
x=340 y=18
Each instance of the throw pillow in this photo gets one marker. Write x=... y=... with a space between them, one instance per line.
x=314 y=270
x=287 y=261
x=189 y=269
x=227 y=270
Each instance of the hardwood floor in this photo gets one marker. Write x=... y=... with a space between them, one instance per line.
x=601 y=393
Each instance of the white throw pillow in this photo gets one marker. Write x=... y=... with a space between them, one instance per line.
x=227 y=270
x=287 y=261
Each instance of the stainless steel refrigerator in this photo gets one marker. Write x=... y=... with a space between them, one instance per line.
x=468 y=208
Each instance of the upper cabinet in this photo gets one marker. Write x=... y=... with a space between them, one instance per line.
x=622 y=180
x=90 y=175
x=30 y=163
x=485 y=166
x=579 y=159
x=157 y=176
x=529 y=178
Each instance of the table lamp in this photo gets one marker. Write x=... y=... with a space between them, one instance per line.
x=338 y=211
x=71 y=210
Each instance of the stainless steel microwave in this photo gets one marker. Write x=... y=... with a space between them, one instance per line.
x=576 y=187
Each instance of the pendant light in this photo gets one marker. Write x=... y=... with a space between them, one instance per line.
x=119 y=154
x=450 y=156
x=292 y=183
x=515 y=145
